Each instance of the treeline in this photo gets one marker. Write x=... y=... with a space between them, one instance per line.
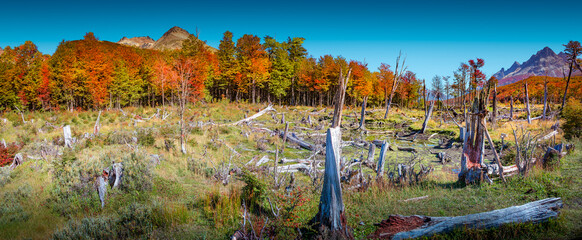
x=93 y=74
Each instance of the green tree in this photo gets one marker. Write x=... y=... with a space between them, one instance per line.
x=228 y=66
x=281 y=70
x=297 y=54
x=573 y=50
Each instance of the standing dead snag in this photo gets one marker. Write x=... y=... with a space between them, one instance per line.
x=330 y=218
x=396 y=80
x=381 y=160
x=363 y=113
x=494 y=113
x=427 y=117
x=67 y=136
x=527 y=103
x=472 y=167
x=97 y=125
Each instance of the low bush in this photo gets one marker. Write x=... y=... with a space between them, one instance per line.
x=572 y=115
x=134 y=221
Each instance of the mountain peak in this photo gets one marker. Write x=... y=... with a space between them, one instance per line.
x=545 y=52
x=544 y=62
x=176 y=30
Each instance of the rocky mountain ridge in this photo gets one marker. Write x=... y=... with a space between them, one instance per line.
x=544 y=63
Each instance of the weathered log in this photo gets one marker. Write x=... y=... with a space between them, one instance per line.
x=497 y=159
x=406 y=149
x=424 y=226
x=294 y=168
x=381 y=160
x=256 y=115
x=262 y=161
x=294 y=139
x=67 y=136
x=548 y=136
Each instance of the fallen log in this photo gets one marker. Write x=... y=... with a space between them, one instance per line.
x=404 y=227
x=269 y=108
x=291 y=137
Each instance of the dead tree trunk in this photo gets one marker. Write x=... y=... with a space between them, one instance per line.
x=494 y=113
x=545 y=98
x=511 y=109
x=424 y=226
x=97 y=126
x=381 y=160
x=396 y=80
x=331 y=220
x=427 y=117
x=527 y=104
x=363 y=113
x=472 y=167
x=497 y=159
x=67 y=136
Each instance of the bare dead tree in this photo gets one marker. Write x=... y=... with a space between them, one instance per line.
x=472 y=167
x=184 y=68
x=330 y=218
x=545 y=97
x=363 y=113
x=427 y=117
x=527 y=103
x=398 y=72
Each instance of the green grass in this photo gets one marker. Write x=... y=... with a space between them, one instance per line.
x=180 y=198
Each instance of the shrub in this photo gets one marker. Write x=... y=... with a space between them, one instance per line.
x=222 y=209
x=137 y=175
x=145 y=137
x=253 y=193
x=572 y=114
x=10 y=209
x=72 y=186
x=7 y=153
x=132 y=221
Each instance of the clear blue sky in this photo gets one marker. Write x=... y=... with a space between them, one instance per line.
x=435 y=36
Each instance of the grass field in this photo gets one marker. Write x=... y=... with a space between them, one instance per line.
x=167 y=194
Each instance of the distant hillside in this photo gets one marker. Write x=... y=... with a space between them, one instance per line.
x=544 y=62
x=1 y=50
x=556 y=87
x=171 y=40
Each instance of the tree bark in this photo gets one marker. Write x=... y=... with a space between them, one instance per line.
x=511 y=109
x=545 y=98
x=331 y=207
x=533 y=212
x=567 y=84
x=363 y=113
x=472 y=158
x=427 y=117
x=67 y=136
x=494 y=113
x=527 y=104
x=381 y=160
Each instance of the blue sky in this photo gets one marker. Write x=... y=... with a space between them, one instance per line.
x=435 y=36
